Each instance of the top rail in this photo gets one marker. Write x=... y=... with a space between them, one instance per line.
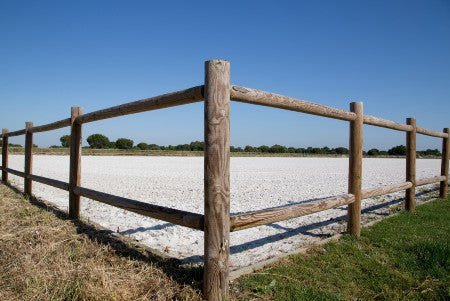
x=257 y=97
x=182 y=97
x=431 y=133
x=50 y=126
x=367 y=119
x=16 y=133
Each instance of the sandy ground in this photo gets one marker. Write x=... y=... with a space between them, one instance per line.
x=256 y=183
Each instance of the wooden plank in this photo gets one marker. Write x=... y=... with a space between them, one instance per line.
x=386 y=123
x=16 y=172
x=432 y=133
x=75 y=163
x=17 y=133
x=431 y=180
x=273 y=215
x=27 y=186
x=50 y=126
x=5 y=155
x=175 y=216
x=410 y=193
x=217 y=180
x=50 y=182
x=262 y=98
x=443 y=189
x=373 y=192
x=355 y=169
x=182 y=97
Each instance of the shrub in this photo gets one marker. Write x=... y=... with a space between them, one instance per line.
x=124 y=143
x=98 y=141
x=65 y=141
x=142 y=146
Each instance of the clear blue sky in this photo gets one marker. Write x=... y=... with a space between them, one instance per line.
x=392 y=55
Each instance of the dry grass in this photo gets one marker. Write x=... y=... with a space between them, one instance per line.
x=46 y=257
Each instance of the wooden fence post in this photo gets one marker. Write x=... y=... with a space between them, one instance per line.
x=4 y=155
x=410 y=194
x=443 y=189
x=27 y=187
x=217 y=179
x=75 y=164
x=355 y=169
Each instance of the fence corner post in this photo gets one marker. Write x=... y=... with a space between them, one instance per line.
x=75 y=163
x=355 y=169
x=410 y=193
x=27 y=187
x=217 y=180
x=443 y=188
x=5 y=155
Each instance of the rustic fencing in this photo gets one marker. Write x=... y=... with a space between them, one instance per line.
x=216 y=221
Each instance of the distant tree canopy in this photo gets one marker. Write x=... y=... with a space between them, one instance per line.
x=399 y=150
x=98 y=141
x=124 y=143
x=65 y=141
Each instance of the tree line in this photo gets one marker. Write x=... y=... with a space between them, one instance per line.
x=99 y=141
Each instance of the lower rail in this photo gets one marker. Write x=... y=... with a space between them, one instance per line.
x=51 y=182
x=373 y=192
x=431 y=180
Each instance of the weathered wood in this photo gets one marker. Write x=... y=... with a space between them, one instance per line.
x=175 y=216
x=373 y=192
x=5 y=155
x=50 y=126
x=431 y=180
x=355 y=169
x=386 y=123
x=273 y=215
x=50 y=182
x=182 y=97
x=27 y=186
x=410 y=193
x=432 y=133
x=217 y=179
x=17 y=133
x=262 y=98
x=15 y=172
x=443 y=189
x=75 y=163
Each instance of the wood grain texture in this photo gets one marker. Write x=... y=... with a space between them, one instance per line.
x=432 y=133
x=410 y=193
x=75 y=163
x=373 y=192
x=17 y=133
x=355 y=169
x=175 y=216
x=431 y=180
x=262 y=98
x=27 y=187
x=217 y=179
x=273 y=215
x=50 y=182
x=5 y=155
x=182 y=97
x=50 y=126
x=443 y=189
x=386 y=123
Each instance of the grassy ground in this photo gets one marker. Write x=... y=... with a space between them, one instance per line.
x=406 y=257
x=44 y=256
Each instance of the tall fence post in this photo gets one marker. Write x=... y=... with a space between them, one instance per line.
x=75 y=164
x=443 y=189
x=410 y=194
x=217 y=179
x=355 y=169
x=27 y=187
x=4 y=155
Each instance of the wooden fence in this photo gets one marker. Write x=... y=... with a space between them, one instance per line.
x=216 y=221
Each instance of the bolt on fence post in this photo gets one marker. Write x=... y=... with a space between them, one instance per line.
x=5 y=155
x=217 y=179
x=410 y=193
x=443 y=189
x=27 y=187
x=355 y=169
x=75 y=164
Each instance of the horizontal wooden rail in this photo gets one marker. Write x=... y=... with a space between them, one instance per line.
x=262 y=98
x=431 y=133
x=268 y=216
x=367 y=119
x=175 y=216
x=51 y=182
x=182 y=97
x=431 y=180
x=51 y=126
x=16 y=133
x=373 y=192
x=16 y=172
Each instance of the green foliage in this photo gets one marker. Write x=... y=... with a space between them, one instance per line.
x=14 y=145
x=98 y=141
x=124 y=143
x=142 y=146
x=65 y=141
x=399 y=150
x=373 y=152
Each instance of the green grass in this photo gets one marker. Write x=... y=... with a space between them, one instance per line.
x=406 y=257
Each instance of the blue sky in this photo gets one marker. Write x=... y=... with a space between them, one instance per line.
x=392 y=55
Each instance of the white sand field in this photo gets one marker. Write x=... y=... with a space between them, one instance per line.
x=256 y=183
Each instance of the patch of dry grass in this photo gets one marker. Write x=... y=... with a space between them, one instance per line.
x=45 y=257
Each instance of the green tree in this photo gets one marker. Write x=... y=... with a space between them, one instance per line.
x=98 y=141
x=197 y=145
x=65 y=141
x=124 y=143
x=341 y=150
x=142 y=146
x=373 y=152
x=399 y=150
x=278 y=149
